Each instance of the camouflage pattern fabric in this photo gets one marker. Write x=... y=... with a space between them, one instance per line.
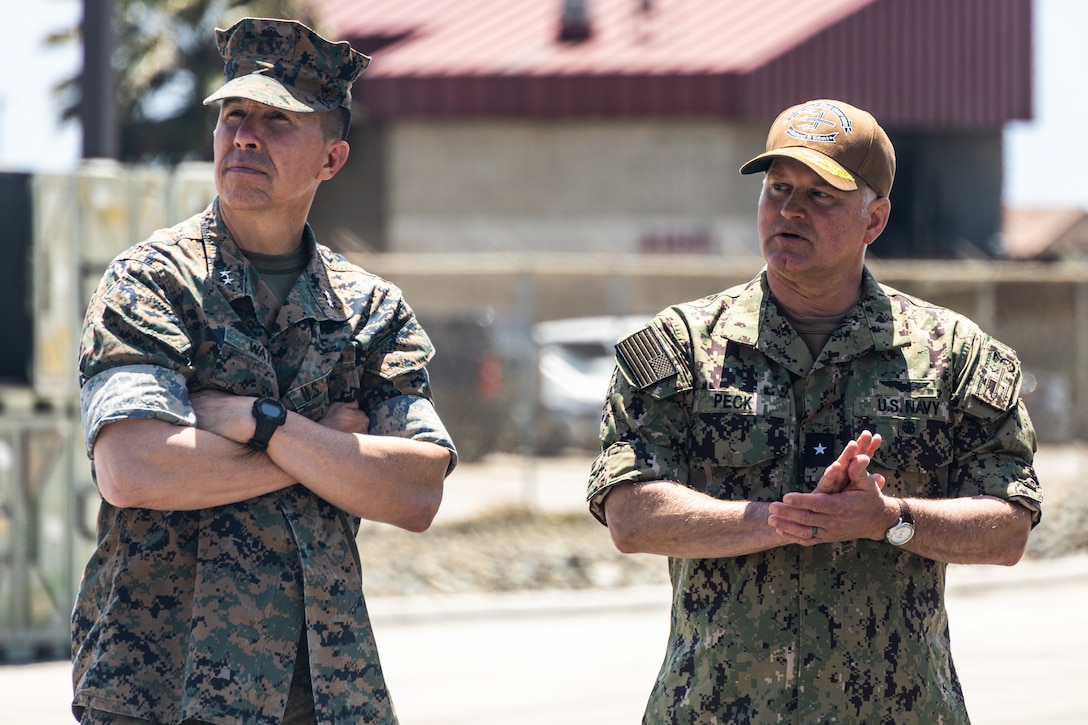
x=723 y=396
x=198 y=614
x=284 y=64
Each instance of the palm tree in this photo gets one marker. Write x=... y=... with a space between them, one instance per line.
x=166 y=62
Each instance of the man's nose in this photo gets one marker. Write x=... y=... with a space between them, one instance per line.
x=245 y=135
x=793 y=205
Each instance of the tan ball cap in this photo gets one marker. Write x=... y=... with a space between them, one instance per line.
x=843 y=144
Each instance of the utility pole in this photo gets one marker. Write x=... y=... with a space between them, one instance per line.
x=98 y=94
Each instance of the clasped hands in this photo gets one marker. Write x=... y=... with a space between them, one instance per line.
x=846 y=504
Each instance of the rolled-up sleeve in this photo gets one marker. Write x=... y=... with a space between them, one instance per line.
x=133 y=391
x=645 y=421
x=393 y=352
x=415 y=418
x=134 y=351
x=995 y=438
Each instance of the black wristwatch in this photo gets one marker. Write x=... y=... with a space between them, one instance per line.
x=270 y=415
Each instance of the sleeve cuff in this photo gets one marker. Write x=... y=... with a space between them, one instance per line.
x=133 y=391
x=412 y=417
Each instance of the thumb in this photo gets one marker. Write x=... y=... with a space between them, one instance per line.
x=833 y=480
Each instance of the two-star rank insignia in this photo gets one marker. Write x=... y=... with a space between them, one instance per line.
x=225 y=277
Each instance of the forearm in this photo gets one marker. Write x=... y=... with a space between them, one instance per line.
x=667 y=518
x=147 y=463
x=976 y=530
x=380 y=478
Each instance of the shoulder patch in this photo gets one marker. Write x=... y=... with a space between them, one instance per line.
x=998 y=381
x=646 y=357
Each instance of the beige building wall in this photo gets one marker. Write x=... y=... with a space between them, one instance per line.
x=599 y=186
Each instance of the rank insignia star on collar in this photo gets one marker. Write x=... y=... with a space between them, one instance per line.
x=225 y=277
x=328 y=298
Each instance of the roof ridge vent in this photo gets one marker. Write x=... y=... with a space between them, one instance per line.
x=574 y=24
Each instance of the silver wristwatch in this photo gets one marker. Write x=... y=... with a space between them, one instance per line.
x=903 y=531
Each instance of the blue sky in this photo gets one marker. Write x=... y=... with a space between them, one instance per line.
x=32 y=139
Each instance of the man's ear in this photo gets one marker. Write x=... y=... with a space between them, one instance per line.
x=879 y=212
x=336 y=157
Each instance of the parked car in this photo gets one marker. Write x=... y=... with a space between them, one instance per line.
x=575 y=359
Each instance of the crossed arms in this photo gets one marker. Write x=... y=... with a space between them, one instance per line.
x=149 y=463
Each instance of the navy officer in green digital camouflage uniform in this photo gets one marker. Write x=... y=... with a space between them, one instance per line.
x=248 y=396
x=811 y=450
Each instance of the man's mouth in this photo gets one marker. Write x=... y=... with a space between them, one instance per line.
x=245 y=169
x=245 y=166
x=790 y=235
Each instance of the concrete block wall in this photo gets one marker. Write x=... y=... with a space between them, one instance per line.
x=581 y=186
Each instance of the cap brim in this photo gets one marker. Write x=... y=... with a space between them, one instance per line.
x=827 y=168
x=269 y=91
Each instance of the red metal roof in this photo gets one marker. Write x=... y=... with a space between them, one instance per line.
x=956 y=63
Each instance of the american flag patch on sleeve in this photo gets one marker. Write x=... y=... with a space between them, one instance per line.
x=646 y=357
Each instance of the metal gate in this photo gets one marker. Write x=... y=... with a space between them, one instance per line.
x=47 y=504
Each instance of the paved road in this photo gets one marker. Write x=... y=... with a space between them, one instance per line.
x=588 y=658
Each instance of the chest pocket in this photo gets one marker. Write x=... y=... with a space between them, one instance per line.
x=339 y=385
x=736 y=428
x=234 y=363
x=915 y=424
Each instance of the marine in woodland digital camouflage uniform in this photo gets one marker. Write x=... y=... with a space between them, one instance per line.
x=199 y=614
x=723 y=396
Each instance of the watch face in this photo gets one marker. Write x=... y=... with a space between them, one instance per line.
x=900 y=534
x=270 y=408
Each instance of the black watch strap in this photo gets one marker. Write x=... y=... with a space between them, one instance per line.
x=270 y=414
x=903 y=531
